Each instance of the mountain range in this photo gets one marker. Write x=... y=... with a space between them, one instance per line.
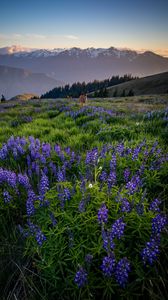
x=76 y=64
x=15 y=81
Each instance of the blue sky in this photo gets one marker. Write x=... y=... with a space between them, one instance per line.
x=61 y=23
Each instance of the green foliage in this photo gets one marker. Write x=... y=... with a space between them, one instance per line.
x=28 y=271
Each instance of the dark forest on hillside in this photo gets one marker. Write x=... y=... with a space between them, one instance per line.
x=98 y=88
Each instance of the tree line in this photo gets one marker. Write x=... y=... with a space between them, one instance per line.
x=98 y=88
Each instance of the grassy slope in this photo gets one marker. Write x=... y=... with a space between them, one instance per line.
x=155 y=84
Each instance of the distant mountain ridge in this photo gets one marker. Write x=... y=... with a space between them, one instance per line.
x=76 y=64
x=15 y=81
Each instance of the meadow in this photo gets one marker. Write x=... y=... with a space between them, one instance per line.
x=84 y=199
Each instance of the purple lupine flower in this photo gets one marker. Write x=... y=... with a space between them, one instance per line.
x=53 y=219
x=136 y=153
x=46 y=149
x=57 y=149
x=108 y=265
x=120 y=149
x=125 y=205
x=30 y=203
x=117 y=229
x=111 y=180
x=158 y=223
x=102 y=214
x=15 y=153
x=43 y=159
x=20 y=150
x=103 y=151
x=81 y=277
x=113 y=162
x=154 y=205
x=45 y=170
x=3 y=152
x=28 y=160
x=53 y=168
x=32 y=227
x=105 y=239
x=92 y=156
x=44 y=185
x=68 y=150
x=82 y=205
x=60 y=176
x=150 y=253
x=72 y=160
x=64 y=196
x=11 y=179
x=133 y=184
x=24 y=180
x=103 y=176
x=67 y=194
x=40 y=237
x=121 y=271
x=126 y=174
x=7 y=197
x=83 y=185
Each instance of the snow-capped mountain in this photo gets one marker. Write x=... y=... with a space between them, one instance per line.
x=76 y=64
x=19 y=51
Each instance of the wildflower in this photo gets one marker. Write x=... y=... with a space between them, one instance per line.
x=40 y=237
x=150 y=252
x=3 y=152
x=133 y=184
x=81 y=206
x=102 y=214
x=44 y=185
x=90 y=185
x=126 y=174
x=125 y=205
x=108 y=265
x=30 y=203
x=81 y=277
x=117 y=229
x=103 y=176
x=23 y=180
x=53 y=220
x=111 y=181
x=158 y=223
x=113 y=162
x=105 y=238
x=7 y=197
x=60 y=176
x=121 y=271
x=154 y=205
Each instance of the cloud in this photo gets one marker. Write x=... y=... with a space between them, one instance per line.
x=18 y=36
x=71 y=37
x=35 y=36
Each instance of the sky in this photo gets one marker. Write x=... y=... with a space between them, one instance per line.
x=139 y=24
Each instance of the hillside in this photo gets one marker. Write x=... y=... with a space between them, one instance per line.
x=24 y=97
x=76 y=64
x=154 y=84
x=15 y=81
